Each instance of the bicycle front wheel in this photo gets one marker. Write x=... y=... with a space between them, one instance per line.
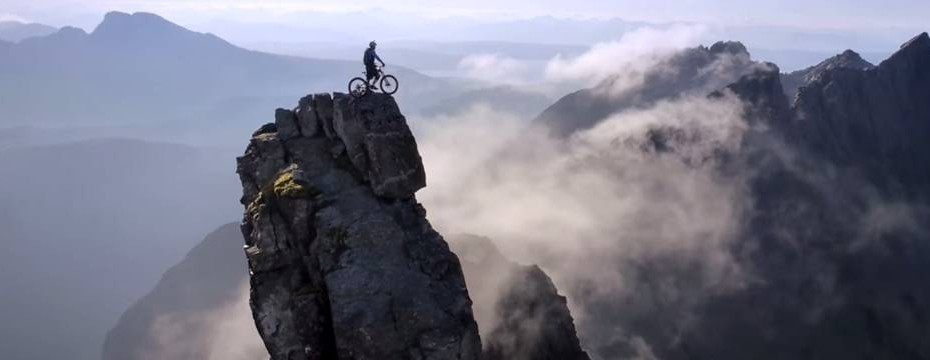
x=389 y=84
x=358 y=87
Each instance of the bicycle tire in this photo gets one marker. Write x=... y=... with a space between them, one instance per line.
x=358 y=87
x=389 y=84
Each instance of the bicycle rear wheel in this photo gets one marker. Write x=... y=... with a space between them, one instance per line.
x=358 y=87
x=389 y=84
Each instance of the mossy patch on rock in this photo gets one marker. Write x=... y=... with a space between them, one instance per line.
x=288 y=184
x=285 y=185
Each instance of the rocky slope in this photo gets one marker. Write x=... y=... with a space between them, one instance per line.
x=873 y=119
x=343 y=262
x=796 y=79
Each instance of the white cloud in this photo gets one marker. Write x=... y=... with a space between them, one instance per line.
x=598 y=200
x=223 y=333
x=494 y=68
x=631 y=55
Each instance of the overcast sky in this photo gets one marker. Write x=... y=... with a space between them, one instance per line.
x=802 y=13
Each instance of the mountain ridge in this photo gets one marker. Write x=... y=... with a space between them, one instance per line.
x=142 y=61
x=834 y=237
x=698 y=70
x=796 y=79
x=15 y=31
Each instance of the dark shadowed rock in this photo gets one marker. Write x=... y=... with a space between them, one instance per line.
x=848 y=60
x=762 y=95
x=286 y=124
x=728 y=47
x=836 y=239
x=343 y=261
x=520 y=312
x=307 y=119
x=875 y=120
x=380 y=145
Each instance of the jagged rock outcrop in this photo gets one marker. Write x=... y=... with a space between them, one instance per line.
x=835 y=239
x=343 y=262
x=874 y=119
x=761 y=91
x=521 y=314
x=847 y=60
x=695 y=71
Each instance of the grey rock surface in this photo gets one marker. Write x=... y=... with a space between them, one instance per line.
x=874 y=119
x=343 y=262
x=762 y=95
x=796 y=79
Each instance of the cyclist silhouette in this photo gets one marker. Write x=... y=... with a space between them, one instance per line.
x=371 y=72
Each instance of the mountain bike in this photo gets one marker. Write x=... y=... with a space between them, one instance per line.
x=359 y=86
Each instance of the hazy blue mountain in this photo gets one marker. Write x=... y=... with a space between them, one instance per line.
x=144 y=71
x=179 y=318
x=89 y=227
x=14 y=31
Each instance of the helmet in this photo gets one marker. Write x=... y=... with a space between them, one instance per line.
x=372 y=44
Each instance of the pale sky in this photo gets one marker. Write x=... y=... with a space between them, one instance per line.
x=801 y=13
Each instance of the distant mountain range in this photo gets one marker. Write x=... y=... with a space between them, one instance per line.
x=141 y=71
x=14 y=31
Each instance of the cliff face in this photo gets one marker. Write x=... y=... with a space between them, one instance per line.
x=874 y=119
x=343 y=262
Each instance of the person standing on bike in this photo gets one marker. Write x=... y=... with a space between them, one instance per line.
x=371 y=72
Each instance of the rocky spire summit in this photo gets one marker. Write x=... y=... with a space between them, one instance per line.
x=343 y=262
